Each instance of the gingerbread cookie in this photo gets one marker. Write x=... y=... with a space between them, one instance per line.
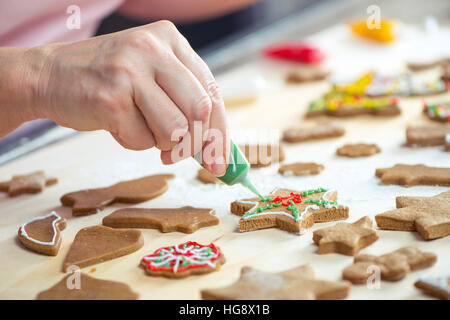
x=185 y=219
x=307 y=74
x=89 y=289
x=446 y=74
x=345 y=238
x=393 y=266
x=323 y=130
x=293 y=284
x=376 y=85
x=289 y=210
x=183 y=260
x=301 y=168
x=29 y=183
x=411 y=175
x=427 y=136
x=343 y=105
x=428 y=65
x=437 y=111
x=97 y=244
x=358 y=150
x=207 y=177
x=90 y=201
x=438 y=287
x=262 y=155
x=430 y=216
x=43 y=234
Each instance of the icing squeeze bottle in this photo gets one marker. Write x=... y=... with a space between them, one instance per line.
x=237 y=170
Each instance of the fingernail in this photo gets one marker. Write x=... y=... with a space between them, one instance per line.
x=219 y=167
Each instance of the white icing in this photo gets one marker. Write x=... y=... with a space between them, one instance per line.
x=169 y=257
x=447 y=138
x=24 y=233
x=300 y=215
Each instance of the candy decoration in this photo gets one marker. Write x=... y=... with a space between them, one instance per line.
x=184 y=257
x=373 y=84
x=438 y=111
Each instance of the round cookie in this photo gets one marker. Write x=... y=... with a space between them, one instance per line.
x=358 y=150
x=301 y=168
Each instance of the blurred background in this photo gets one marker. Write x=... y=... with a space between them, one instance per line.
x=235 y=38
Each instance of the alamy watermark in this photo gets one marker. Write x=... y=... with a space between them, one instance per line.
x=73 y=21
x=73 y=281
x=373 y=21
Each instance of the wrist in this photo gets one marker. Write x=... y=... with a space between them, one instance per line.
x=22 y=74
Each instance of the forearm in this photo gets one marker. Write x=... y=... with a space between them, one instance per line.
x=182 y=11
x=20 y=70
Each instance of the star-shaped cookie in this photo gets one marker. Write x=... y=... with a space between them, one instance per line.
x=429 y=216
x=289 y=210
x=90 y=201
x=294 y=284
x=345 y=238
x=185 y=219
x=29 y=183
x=410 y=175
x=393 y=266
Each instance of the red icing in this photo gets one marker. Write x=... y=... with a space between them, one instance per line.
x=294 y=197
x=215 y=255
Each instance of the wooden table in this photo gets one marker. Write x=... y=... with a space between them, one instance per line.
x=94 y=159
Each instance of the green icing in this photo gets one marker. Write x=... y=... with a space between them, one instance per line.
x=292 y=207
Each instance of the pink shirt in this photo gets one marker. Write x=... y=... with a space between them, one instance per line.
x=26 y=23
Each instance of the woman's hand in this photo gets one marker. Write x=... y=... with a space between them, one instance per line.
x=145 y=85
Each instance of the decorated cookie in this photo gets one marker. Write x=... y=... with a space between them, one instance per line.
x=322 y=130
x=301 y=168
x=90 y=201
x=306 y=74
x=411 y=175
x=447 y=142
x=289 y=210
x=97 y=244
x=373 y=84
x=293 y=284
x=345 y=105
x=345 y=238
x=89 y=288
x=207 y=177
x=393 y=266
x=183 y=260
x=185 y=219
x=30 y=183
x=262 y=155
x=429 y=216
x=437 y=111
x=438 y=287
x=358 y=150
x=427 y=135
x=43 y=234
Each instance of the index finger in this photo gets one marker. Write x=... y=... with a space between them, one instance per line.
x=218 y=121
